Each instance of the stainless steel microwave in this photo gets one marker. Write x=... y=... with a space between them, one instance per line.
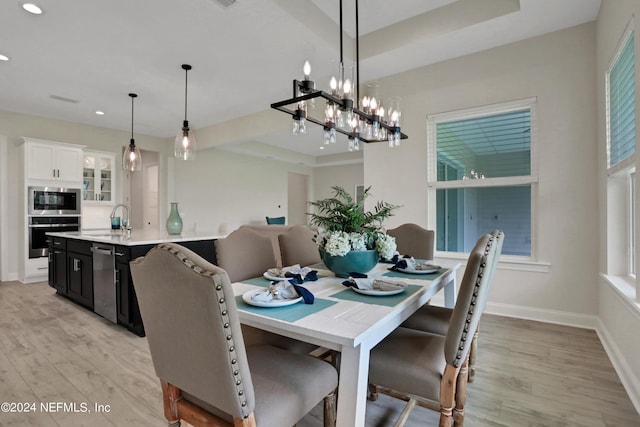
x=54 y=201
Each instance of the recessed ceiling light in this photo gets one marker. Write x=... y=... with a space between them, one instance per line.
x=100 y=113
x=3 y=57
x=31 y=8
x=322 y=148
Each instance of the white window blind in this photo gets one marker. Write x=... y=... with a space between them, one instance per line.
x=622 y=123
x=490 y=147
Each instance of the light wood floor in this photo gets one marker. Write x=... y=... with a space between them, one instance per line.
x=53 y=351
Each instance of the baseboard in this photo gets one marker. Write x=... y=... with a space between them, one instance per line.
x=565 y=318
x=538 y=314
x=630 y=382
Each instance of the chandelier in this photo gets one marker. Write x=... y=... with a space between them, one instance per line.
x=364 y=120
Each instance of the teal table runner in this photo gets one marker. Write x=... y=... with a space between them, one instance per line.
x=289 y=313
x=429 y=276
x=388 y=301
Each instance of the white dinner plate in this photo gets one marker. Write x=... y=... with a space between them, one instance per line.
x=247 y=297
x=428 y=271
x=377 y=292
x=268 y=276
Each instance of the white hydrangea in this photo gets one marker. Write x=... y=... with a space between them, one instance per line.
x=358 y=242
x=386 y=245
x=337 y=243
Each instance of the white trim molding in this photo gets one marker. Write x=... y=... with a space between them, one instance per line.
x=4 y=211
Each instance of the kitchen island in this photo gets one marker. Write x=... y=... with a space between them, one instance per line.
x=91 y=268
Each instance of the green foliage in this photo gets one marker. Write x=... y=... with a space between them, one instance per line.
x=342 y=213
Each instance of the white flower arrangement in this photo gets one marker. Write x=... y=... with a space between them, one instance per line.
x=386 y=245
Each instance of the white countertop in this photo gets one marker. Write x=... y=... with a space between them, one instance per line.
x=138 y=237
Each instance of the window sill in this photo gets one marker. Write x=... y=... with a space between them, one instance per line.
x=625 y=286
x=506 y=262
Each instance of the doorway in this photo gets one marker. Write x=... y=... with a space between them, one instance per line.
x=297 y=198
x=141 y=193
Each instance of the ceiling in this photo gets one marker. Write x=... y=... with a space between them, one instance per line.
x=78 y=57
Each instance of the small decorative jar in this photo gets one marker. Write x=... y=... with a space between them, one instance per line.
x=174 y=222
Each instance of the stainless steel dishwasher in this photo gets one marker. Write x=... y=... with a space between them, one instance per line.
x=104 y=281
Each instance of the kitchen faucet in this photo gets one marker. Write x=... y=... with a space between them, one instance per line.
x=125 y=222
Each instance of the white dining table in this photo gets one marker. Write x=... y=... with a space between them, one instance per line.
x=343 y=321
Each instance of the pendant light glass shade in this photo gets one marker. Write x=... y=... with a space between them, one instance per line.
x=185 y=143
x=131 y=158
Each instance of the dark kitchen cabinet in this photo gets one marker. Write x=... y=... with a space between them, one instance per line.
x=58 y=264
x=127 y=302
x=71 y=274
x=80 y=272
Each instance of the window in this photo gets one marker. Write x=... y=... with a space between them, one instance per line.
x=482 y=176
x=621 y=113
x=621 y=135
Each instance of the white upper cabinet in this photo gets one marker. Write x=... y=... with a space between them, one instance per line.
x=98 y=178
x=53 y=162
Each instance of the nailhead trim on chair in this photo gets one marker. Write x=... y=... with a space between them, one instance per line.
x=224 y=313
x=476 y=288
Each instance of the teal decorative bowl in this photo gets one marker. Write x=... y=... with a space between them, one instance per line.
x=352 y=262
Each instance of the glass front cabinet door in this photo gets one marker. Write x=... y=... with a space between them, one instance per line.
x=98 y=178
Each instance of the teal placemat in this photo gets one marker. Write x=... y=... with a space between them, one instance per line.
x=429 y=276
x=261 y=281
x=389 y=301
x=289 y=313
x=258 y=281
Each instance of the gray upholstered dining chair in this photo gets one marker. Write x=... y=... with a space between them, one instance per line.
x=414 y=240
x=208 y=375
x=430 y=369
x=297 y=247
x=246 y=254
x=435 y=319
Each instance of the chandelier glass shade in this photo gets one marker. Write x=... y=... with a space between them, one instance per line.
x=366 y=120
x=185 y=142
x=131 y=158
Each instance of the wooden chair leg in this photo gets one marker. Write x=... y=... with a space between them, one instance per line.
x=460 y=396
x=330 y=410
x=447 y=395
x=170 y=397
x=473 y=350
x=373 y=392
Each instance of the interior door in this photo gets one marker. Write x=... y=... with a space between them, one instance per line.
x=297 y=198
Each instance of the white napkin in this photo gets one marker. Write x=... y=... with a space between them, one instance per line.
x=294 y=269
x=283 y=290
x=412 y=265
x=377 y=284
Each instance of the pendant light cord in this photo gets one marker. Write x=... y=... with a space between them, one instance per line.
x=341 y=50
x=133 y=96
x=186 y=73
x=357 y=88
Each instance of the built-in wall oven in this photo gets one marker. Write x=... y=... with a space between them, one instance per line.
x=51 y=209
x=40 y=225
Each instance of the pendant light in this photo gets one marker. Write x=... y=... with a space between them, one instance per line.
x=131 y=159
x=361 y=121
x=185 y=144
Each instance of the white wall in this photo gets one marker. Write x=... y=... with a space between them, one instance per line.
x=345 y=176
x=619 y=316
x=229 y=189
x=558 y=69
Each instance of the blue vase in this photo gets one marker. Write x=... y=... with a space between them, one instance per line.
x=352 y=262
x=174 y=222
